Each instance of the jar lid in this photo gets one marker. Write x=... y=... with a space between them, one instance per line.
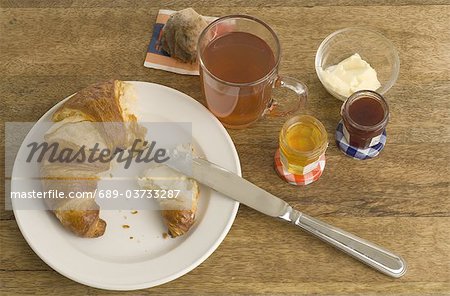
x=354 y=152
x=294 y=179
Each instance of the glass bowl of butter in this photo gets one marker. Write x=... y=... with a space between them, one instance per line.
x=354 y=59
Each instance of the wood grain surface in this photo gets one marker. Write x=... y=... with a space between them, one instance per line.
x=401 y=200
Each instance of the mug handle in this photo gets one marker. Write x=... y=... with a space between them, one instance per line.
x=277 y=108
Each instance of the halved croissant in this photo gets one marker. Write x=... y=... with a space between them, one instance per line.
x=101 y=114
x=105 y=103
x=96 y=114
x=178 y=213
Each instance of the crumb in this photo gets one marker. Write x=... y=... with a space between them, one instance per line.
x=125 y=226
x=134 y=212
x=165 y=235
x=125 y=217
x=131 y=237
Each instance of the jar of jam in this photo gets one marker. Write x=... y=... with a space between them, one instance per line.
x=365 y=115
x=303 y=141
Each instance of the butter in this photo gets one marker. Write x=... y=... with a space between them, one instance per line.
x=163 y=178
x=350 y=75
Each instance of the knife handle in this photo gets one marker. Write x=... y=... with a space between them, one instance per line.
x=369 y=253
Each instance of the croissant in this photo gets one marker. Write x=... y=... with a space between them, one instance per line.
x=102 y=115
x=178 y=213
x=81 y=216
x=97 y=114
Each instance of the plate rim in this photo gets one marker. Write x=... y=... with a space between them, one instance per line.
x=175 y=275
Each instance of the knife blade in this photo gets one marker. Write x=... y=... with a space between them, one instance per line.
x=247 y=193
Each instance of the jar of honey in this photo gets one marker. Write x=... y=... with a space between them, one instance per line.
x=303 y=141
x=365 y=115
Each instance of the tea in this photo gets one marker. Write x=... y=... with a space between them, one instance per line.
x=238 y=58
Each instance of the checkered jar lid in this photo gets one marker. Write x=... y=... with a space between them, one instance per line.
x=354 y=152
x=313 y=175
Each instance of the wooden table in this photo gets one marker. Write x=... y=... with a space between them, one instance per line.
x=401 y=200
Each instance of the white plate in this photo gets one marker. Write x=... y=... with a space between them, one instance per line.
x=114 y=261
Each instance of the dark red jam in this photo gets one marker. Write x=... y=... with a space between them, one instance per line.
x=365 y=115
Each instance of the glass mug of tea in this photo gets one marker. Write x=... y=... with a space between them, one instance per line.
x=239 y=57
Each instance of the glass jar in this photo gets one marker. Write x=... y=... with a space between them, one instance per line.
x=303 y=140
x=365 y=115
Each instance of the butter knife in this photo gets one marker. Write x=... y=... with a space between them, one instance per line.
x=245 y=192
